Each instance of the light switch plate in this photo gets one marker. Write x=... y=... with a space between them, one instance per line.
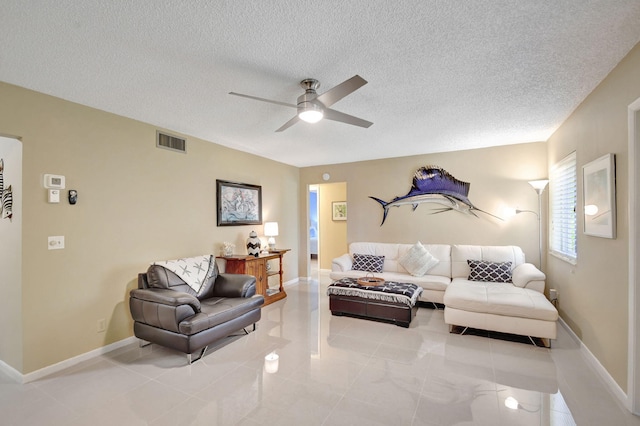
x=54 y=196
x=56 y=243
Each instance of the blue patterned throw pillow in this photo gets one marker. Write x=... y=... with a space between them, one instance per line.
x=367 y=262
x=496 y=272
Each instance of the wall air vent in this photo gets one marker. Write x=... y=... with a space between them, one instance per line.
x=171 y=142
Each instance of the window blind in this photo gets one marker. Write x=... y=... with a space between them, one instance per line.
x=562 y=203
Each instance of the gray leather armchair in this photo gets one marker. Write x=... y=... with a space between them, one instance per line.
x=166 y=311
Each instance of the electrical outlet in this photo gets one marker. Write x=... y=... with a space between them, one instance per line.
x=553 y=294
x=102 y=325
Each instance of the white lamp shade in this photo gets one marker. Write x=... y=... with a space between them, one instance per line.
x=539 y=185
x=271 y=229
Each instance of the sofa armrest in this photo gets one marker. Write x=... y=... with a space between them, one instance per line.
x=234 y=285
x=162 y=308
x=342 y=263
x=527 y=275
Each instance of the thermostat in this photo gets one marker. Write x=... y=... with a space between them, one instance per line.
x=54 y=181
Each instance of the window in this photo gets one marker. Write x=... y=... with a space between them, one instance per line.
x=562 y=203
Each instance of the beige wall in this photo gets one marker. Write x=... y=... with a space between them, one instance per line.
x=498 y=178
x=333 y=234
x=136 y=204
x=11 y=258
x=593 y=294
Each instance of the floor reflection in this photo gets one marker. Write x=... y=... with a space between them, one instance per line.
x=328 y=371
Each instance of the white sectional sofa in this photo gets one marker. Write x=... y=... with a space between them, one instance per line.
x=516 y=307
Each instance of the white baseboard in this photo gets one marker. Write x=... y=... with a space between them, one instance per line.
x=291 y=282
x=10 y=371
x=613 y=386
x=43 y=372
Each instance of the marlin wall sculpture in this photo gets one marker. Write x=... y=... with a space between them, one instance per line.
x=432 y=184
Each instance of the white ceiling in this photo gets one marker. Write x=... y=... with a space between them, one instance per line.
x=443 y=75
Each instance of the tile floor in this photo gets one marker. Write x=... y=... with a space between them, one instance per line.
x=331 y=371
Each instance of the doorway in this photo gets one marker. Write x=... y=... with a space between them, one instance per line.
x=331 y=235
x=11 y=260
x=313 y=229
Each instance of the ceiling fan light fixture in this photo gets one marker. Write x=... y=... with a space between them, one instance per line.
x=308 y=111
x=310 y=115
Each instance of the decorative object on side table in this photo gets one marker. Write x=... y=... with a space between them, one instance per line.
x=228 y=248
x=270 y=231
x=253 y=244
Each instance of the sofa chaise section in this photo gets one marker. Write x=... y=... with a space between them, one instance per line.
x=516 y=307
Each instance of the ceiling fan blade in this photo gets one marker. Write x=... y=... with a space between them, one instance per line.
x=343 y=89
x=263 y=99
x=332 y=114
x=288 y=124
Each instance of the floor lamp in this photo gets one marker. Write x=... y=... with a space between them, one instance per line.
x=538 y=186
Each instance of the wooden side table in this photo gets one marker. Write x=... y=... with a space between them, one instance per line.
x=257 y=266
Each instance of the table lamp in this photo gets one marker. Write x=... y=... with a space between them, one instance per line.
x=270 y=231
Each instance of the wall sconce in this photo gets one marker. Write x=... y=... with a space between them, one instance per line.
x=271 y=363
x=270 y=231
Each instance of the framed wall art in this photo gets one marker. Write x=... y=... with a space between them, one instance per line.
x=238 y=203
x=339 y=210
x=599 y=197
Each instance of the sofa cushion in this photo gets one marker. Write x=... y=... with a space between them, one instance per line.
x=461 y=253
x=367 y=262
x=500 y=299
x=482 y=270
x=417 y=260
x=393 y=251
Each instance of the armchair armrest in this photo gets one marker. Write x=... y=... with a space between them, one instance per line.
x=162 y=308
x=234 y=285
x=342 y=263
x=164 y=296
x=527 y=275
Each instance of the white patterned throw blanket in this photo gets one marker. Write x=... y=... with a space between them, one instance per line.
x=390 y=291
x=192 y=270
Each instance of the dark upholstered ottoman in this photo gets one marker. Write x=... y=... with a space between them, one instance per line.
x=392 y=301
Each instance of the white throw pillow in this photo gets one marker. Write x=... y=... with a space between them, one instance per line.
x=417 y=260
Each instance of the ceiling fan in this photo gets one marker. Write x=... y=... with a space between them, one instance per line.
x=313 y=107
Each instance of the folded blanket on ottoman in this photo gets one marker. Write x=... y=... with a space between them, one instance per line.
x=390 y=291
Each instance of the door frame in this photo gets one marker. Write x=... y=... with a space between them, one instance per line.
x=633 y=370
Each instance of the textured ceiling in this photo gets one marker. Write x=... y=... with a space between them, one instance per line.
x=443 y=75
